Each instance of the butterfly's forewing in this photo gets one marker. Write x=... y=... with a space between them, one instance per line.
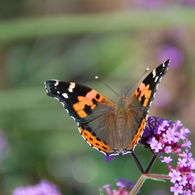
x=78 y=100
x=142 y=99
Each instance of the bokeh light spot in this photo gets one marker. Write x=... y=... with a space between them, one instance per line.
x=84 y=169
x=59 y=164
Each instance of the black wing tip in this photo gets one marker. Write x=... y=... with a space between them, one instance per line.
x=51 y=81
x=167 y=63
x=164 y=66
x=49 y=84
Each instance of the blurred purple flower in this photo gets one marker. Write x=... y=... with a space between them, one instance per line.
x=168 y=51
x=43 y=188
x=108 y=158
x=189 y=2
x=152 y=4
x=167 y=137
x=124 y=187
x=161 y=98
x=4 y=148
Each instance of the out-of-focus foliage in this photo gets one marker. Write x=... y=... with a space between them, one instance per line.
x=74 y=41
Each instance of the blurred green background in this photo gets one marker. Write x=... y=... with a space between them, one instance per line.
x=75 y=40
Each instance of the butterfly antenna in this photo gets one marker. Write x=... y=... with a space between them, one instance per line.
x=97 y=78
x=147 y=69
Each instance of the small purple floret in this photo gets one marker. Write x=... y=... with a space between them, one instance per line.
x=108 y=158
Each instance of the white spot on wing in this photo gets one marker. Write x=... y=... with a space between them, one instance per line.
x=56 y=98
x=154 y=73
x=71 y=87
x=67 y=110
x=102 y=152
x=72 y=117
x=65 y=95
x=123 y=153
x=78 y=127
x=63 y=104
x=57 y=83
x=156 y=79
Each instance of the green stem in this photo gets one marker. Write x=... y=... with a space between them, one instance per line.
x=152 y=176
x=137 y=162
x=143 y=177
x=151 y=163
x=138 y=185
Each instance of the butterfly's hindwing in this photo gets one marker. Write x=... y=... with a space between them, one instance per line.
x=92 y=139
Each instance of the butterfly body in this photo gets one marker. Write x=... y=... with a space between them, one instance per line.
x=112 y=128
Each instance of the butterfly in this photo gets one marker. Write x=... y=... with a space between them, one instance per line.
x=113 y=128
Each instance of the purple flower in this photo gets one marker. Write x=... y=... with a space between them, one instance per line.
x=43 y=188
x=189 y=2
x=4 y=148
x=169 y=51
x=177 y=189
x=175 y=176
x=166 y=159
x=108 y=158
x=124 y=187
x=167 y=137
x=161 y=98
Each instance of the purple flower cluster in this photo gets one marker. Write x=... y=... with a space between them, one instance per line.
x=124 y=187
x=165 y=137
x=43 y=188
